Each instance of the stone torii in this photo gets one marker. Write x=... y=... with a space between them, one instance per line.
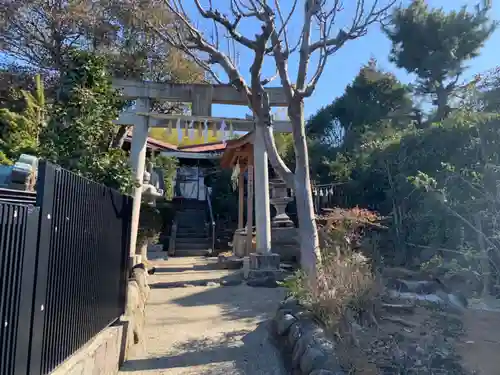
x=201 y=97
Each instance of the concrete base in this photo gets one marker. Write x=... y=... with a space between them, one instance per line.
x=270 y=261
x=264 y=266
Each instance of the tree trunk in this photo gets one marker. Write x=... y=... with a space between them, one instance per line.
x=442 y=96
x=120 y=136
x=308 y=232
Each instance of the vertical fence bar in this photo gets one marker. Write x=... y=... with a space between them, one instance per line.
x=45 y=201
x=23 y=341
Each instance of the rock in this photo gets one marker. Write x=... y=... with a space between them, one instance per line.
x=401 y=273
x=312 y=359
x=134 y=313
x=294 y=334
x=212 y=283
x=287 y=267
x=454 y=301
x=283 y=322
x=397 y=320
x=298 y=351
x=231 y=262
x=290 y=305
x=140 y=275
x=263 y=282
x=231 y=281
x=414 y=286
x=426 y=300
x=398 y=308
x=325 y=372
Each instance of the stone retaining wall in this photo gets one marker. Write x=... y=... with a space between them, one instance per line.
x=303 y=342
x=137 y=295
x=101 y=356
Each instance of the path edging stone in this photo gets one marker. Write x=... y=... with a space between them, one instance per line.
x=303 y=342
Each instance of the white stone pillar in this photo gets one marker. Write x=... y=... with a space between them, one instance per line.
x=261 y=188
x=137 y=162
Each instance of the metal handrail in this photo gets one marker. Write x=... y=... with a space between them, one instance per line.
x=210 y=211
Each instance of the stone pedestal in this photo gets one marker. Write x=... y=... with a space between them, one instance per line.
x=264 y=266
x=285 y=242
x=240 y=243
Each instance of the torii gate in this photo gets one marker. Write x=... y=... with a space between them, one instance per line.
x=201 y=97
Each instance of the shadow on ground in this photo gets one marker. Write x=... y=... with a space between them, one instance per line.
x=234 y=302
x=195 y=267
x=237 y=352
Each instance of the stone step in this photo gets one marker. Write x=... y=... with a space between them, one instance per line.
x=191 y=212
x=191 y=234
x=192 y=245
x=190 y=224
x=193 y=240
x=192 y=230
x=191 y=253
x=197 y=216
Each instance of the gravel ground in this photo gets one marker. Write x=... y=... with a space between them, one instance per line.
x=209 y=330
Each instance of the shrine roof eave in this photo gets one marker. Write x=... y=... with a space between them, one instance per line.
x=238 y=151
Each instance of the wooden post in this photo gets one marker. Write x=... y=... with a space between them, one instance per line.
x=250 y=205
x=241 y=198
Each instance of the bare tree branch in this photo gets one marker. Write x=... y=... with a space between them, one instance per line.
x=216 y=16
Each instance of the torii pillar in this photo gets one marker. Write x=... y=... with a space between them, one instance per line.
x=138 y=162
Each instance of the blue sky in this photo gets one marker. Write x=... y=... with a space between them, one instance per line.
x=343 y=66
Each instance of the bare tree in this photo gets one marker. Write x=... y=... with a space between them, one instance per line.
x=320 y=36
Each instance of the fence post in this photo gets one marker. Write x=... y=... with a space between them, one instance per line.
x=44 y=199
x=28 y=283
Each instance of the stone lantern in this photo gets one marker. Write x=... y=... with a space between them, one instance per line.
x=279 y=199
x=284 y=235
x=150 y=193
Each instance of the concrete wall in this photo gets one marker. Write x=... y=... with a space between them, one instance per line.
x=101 y=356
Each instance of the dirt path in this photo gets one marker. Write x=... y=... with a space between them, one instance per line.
x=480 y=345
x=210 y=330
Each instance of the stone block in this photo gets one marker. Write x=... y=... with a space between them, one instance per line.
x=264 y=262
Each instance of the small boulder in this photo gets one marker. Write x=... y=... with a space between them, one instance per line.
x=312 y=359
x=283 y=322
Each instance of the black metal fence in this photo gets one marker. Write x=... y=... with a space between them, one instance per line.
x=17 y=196
x=18 y=233
x=77 y=250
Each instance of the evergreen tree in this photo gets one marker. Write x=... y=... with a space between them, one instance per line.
x=436 y=45
x=374 y=102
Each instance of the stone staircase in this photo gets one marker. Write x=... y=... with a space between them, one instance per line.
x=192 y=237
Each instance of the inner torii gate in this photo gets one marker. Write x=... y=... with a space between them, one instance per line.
x=201 y=98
